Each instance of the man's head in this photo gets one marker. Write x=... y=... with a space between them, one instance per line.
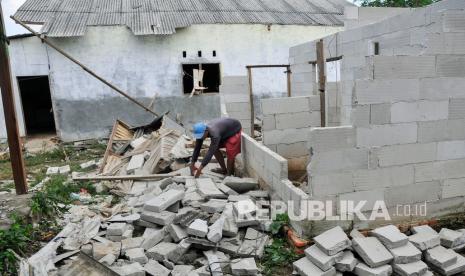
x=200 y=131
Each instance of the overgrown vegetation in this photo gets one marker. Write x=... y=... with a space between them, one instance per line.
x=279 y=256
x=396 y=3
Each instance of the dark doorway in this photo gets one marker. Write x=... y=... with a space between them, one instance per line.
x=211 y=77
x=37 y=105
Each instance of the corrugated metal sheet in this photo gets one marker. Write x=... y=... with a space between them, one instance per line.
x=63 y=18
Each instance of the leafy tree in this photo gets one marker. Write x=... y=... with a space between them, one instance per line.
x=396 y=3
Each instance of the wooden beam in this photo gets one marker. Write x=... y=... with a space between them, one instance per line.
x=288 y=75
x=252 y=115
x=267 y=66
x=321 y=79
x=124 y=177
x=14 y=143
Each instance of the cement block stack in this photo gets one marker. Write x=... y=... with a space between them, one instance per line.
x=286 y=123
x=234 y=91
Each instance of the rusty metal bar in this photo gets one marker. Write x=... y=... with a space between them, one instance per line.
x=11 y=122
x=85 y=68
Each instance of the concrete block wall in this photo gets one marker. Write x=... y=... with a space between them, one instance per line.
x=286 y=123
x=402 y=138
x=235 y=100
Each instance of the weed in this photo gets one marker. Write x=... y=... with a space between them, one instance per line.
x=280 y=221
x=17 y=238
x=278 y=256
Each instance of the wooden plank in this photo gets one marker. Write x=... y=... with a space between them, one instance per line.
x=124 y=177
x=252 y=115
x=11 y=122
x=321 y=80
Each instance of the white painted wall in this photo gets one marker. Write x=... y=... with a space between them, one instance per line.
x=145 y=65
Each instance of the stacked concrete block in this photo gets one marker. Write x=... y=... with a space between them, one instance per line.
x=234 y=92
x=286 y=122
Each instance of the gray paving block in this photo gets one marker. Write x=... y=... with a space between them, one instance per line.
x=137 y=255
x=332 y=241
x=198 y=228
x=346 y=262
x=372 y=251
x=440 y=257
x=406 y=254
x=425 y=240
x=108 y=260
x=161 y=250
x=390 y=236
x=156 y=269
x=163 y=201
x=215 y=231
x=177 y=232
x=152 y=237
x=362 y=269
x=182 y=270
x=423 y=228
x=410 y=269
x=449 y=238
x=131 y=243
x=116 y=229
x=161 y=218
x=306 y=268
x=321 y=259
x=214 y=205
x=207 y=188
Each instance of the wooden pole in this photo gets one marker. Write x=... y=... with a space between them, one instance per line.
x=320 y=60
x=288 y=74
x=14 y=143
x=252 y=115
x=85 y=68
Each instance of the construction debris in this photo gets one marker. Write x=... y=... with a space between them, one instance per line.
x=387 y=251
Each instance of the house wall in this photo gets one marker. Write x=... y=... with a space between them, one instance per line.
x=146 y=66
x=402 y=134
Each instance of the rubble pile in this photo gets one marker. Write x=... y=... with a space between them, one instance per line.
x=386 y=251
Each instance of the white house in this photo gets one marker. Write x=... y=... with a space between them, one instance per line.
x=148 y=48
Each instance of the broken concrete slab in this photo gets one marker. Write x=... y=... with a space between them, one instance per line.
x=161 y=250
x=390 y=236
x=214 y=206
x=161 y=218
x=244 y=209
x=213 y=263
x=177 y=232
x=182 y=270
x=100 y=250
x=116 y=229
x=410 y=269
x=164 y=200
x=225 y=189
x=440 y=257
x=88 y=165
x=207 y=189
x=108 y=260
x=134 y=269
x=135 y=163
x=152 y=237
x=321 y=259
x=127 y=219
x=424 y=240
x=372 y=251
x=253 y=244
x=332 y=241
x=406 y=254
x=131 y=243
x=423 y=228
x=245 y=266
x=198 y=228
x=137 y=255
x=241 y=185
x=456 y=268
x=258 y=194
x=215 y=231
x=362 y=269
x=356 y=234
x=346 y=262
x=178 y=254
x=230 y=245
x=449 y=238
x=154 y=268
x=306 y=268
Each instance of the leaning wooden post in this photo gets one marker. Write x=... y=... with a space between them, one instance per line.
x=14 y=143
x=320 y=61
x=288 y=74
x=252 y=116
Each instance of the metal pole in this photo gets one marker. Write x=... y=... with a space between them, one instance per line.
x=252 y=115
x=14 y=143
x=321 y=80
x=85 y=68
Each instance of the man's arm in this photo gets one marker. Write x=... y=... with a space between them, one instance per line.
x=195 y=154
x=214 y=146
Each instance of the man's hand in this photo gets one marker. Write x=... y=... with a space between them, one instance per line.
x=193 y=169
x=199 y=171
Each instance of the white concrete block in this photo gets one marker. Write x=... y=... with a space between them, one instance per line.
x=450 y=66
x=406 y=154
x=441 y=88
x=416 y=268
x=332 y=138
x=441 y=130
x=419 y=111
x=363 y=270
x=390 y=236
x=386 y=91
x=306 y=268
x=321 y=259
x=403 y=67
x=451 y=150
x=163 y=201
x=405 y=254
x=440 y=256
x=268 y=122
x=457 y=108
x=369 y=197
x=453 y=188
x=293 y=120
x=285 y=105
x=380 y=114
x=372 y=251
x=420 y=192
x=287 y=136
x=383 y=135
x=332 y=241
x=333 y=161
x=383 y=177
x=293 y=150
x=330 y=184
x=440 y=170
